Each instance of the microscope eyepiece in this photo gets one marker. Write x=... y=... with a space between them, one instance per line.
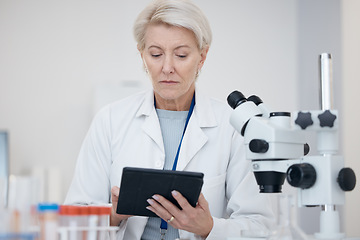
x=235 y=99
x=255 y=99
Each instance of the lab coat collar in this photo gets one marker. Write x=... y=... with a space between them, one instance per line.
x=194 y=138
x=203 y=110
x=147 y=106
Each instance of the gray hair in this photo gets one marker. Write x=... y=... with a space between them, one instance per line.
x=179 y=13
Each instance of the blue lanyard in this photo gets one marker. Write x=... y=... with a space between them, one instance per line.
x=164 y=225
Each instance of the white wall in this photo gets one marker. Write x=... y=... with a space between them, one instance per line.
x=351 y=86
x=55 y=57
x=253 y=51
x=319 y=31
x=55 y=54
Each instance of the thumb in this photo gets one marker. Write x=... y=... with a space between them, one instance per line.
x=202 y=202
x=115 y=193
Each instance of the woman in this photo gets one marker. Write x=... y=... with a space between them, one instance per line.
x=145 y=130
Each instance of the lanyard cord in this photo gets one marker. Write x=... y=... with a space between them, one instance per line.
x=186 y=123
x=164 y=225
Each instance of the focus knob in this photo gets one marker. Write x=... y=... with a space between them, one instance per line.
x=258 y=146
x=347 y=179
x=301 y=175
x=306 y=149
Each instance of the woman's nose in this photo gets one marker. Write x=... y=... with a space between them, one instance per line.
x=168 y=65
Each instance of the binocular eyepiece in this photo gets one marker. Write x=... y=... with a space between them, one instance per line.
x=236 y=98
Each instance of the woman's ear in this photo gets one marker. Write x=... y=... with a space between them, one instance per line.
x=142 y=57
x=140 y=51
x=203 y=55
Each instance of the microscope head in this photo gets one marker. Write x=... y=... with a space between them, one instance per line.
x=269 y=140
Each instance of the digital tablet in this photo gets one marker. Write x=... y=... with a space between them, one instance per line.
x=139 y=184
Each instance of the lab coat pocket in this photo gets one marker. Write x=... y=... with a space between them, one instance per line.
x=214 y=192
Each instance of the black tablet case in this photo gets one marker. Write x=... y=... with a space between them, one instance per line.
x=139 y=184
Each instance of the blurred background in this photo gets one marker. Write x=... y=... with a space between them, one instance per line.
x=61 y=61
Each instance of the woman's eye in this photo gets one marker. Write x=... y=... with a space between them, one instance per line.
x=155 y=55
x=181 y=56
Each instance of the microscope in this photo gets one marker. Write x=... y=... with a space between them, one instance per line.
x=275 y=142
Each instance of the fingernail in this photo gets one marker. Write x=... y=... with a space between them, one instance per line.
x=150 y=201
x=174 y=193
x=155 y=197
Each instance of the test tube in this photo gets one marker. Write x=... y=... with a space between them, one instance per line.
x=84 y=220
x=48 y=217
x=104 y=220
x=93 y=220
x=63 y=217
x=104 y=216
x=20 y=203
x=74 y=221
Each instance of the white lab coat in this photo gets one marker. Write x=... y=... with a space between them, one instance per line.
x=127 y=133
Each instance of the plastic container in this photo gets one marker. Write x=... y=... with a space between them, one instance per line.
x=93 y=222
x=104 y=216
x=104 y=220
x=48 y=219
x=86 y=223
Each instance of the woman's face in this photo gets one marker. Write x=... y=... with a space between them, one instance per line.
x=172 y=59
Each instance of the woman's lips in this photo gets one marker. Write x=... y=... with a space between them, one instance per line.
x=168 y=82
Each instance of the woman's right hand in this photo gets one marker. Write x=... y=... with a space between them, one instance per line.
x=115 y=218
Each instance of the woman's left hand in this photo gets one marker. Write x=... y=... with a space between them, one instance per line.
x=196 y=219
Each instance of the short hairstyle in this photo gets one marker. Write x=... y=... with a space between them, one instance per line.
x=179 y=13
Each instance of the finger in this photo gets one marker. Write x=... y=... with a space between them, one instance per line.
x=202 y=202
x=183 y=202
x=115 y=194
x=158 y=209
x=115 y=218
x=115 y=191
x=169 y=206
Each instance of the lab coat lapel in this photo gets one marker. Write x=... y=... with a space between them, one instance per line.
x=151 y=124
x=195 y=138
x=152 y=128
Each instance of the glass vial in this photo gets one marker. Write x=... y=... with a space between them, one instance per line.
x=287 y=228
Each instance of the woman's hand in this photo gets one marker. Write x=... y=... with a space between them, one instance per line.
x=115 y=218
x=197 y=219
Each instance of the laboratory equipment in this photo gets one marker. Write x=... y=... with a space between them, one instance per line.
x=88 y=222
x=24 y=220
x=48 y=219
x=4 y=169
x=276 y=144
x=287 y=227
